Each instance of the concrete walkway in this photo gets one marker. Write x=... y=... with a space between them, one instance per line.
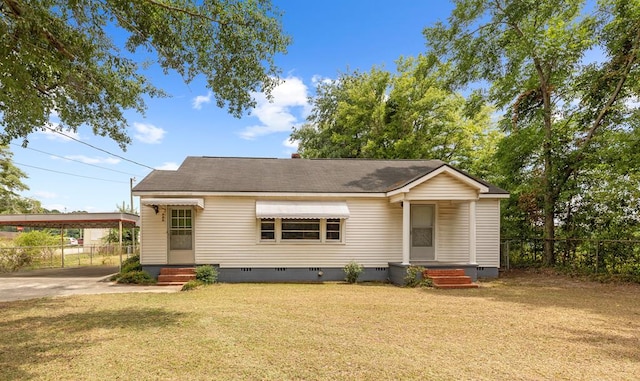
x=67 y=281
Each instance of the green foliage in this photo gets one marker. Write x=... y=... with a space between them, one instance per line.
x=207 y=274
x=11 y=183
x=136 y=277
x=569 y=123
x=192 y=285
x=131 y=272
x=60 y=56
x=415 y=277
x=352 y=272
x=36 y=238
x=406 y=115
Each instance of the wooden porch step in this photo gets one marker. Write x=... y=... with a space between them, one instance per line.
x=449 y=278
x=175 y=276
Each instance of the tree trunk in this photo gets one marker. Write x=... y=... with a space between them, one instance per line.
x=547 y=181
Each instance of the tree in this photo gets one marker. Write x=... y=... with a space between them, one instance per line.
x=11 y=183
x=62 y=57
x=406 y=115
x=557 y=104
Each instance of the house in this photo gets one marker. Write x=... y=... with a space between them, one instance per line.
x=298 y=219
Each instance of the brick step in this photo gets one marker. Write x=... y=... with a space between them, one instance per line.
x=176 y=278
x=444 y=272
x=451 y=280
x=177 y=270
x=454 y=286
x=170 y=284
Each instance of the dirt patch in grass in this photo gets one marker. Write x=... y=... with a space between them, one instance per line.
x=520 y=327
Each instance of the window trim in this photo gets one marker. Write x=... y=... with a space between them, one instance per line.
x=289 y=241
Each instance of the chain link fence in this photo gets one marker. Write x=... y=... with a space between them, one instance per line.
x=40 y=257
x=599 y=256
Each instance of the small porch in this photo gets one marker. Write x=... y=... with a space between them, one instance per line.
x=398 y=271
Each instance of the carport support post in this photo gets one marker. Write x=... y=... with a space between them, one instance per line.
x=120 y=235
x=62 y=244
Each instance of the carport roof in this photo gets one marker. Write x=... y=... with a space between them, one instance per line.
x=75 y=220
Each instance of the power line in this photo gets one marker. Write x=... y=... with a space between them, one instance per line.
x=77 y=161
x=69 y=174
x=98 y=148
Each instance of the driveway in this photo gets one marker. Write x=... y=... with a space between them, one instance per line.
x=67 y=281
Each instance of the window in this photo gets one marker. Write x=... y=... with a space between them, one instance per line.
x=268 y=229
x=301 y=229
x=333 y=229
x=181 y=229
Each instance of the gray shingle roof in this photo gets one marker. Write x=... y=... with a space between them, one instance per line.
x=227 y=174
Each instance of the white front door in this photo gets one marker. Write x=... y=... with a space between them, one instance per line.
x=422 y=232
x=181 y=236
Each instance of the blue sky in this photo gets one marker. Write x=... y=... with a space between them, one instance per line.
x=328 y=37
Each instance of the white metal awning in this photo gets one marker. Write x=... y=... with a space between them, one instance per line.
x=197 y=202
x=302 y=209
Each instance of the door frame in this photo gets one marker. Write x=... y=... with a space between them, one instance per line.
x=434 y=227
x=182 y=257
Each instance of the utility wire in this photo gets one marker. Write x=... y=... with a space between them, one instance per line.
x=77 y=161
x=69 y=174
x=98 y=148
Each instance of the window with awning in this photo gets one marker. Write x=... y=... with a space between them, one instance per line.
x=302 y=209
x=197 y=202
x=282 y=221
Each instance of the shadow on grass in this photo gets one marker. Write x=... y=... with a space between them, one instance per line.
x=32 y=340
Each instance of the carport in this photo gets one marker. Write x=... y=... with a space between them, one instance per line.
x=73 y=220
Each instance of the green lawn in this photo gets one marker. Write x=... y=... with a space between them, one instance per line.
x=527 y=327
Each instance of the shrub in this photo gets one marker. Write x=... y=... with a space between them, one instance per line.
x=352 y=271
x=129 y=266
x=207 y=274
x=192 y=285
x=415 y=277
x=136 y=277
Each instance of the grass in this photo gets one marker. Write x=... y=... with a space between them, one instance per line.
x=524 y=327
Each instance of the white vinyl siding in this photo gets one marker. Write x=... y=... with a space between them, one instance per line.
x=488 y=233
x=227 y=234
x=452 y=232
x=153 y=236
x=442 y=187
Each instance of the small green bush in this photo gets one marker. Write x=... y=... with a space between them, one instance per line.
x=192 y=285
x=136 y=277
x=415 y=277
x=207 y=274
x=134 y=259
x=352 y=271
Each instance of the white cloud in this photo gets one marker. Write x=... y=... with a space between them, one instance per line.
x=148 y=133
x=201 y=99
x=93 y=160
x=45 y=194
x=278 y=115
x=291 y=144
x=168 y=166
x=318 y=79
